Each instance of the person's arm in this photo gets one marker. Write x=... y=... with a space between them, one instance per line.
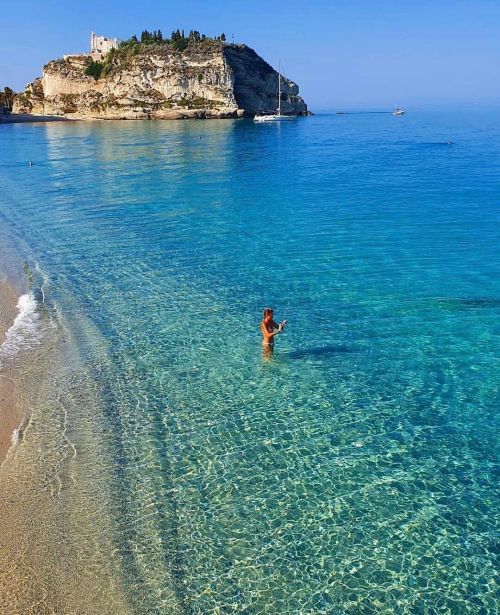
x=280 y=326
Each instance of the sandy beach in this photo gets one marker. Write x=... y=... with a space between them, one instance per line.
x=10 y=411
x=53 y=558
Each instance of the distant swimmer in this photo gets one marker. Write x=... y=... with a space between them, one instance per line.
x=269 y=329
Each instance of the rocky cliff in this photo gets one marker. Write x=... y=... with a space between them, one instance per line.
x=255 y=83
x=206 y=79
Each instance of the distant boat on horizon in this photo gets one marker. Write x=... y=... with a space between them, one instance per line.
x=278 y=116
x=398 y=111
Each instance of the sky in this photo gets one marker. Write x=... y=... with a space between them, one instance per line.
x=344 y=54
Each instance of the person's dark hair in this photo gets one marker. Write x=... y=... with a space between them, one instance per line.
x=267 y=311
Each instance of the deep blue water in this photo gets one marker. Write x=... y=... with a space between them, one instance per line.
x=354 y=470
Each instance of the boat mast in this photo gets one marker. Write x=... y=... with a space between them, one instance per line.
x=279 y=90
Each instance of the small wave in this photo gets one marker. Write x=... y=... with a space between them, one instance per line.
x=15 y=437
x=25 y=332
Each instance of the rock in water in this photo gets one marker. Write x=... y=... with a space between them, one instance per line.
x=208 y=79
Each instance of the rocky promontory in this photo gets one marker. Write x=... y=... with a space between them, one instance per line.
x=201 y=78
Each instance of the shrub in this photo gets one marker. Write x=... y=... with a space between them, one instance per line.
x=94 y=69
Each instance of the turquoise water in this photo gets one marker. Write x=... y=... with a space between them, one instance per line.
x=354 y=471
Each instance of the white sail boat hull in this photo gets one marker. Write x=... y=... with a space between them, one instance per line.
x=273 y=118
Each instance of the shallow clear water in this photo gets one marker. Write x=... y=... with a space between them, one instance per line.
x=352 y=472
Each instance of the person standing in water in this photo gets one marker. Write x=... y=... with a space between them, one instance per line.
x=269 y=329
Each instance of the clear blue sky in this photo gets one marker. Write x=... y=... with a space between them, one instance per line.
x=343 y=53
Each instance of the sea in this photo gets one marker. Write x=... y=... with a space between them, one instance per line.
x=166 y=463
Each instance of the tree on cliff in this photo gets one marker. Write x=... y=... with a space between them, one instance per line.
x=7 y=98
x=148 y=38
x=179 y=41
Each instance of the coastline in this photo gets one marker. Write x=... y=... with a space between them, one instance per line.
x=10 y=409
x=24 y=118
x=170 y=114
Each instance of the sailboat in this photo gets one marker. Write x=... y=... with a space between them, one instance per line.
x=278 y=116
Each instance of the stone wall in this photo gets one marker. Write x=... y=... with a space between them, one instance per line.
x=100 y=45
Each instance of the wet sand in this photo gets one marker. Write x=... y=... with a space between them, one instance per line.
x=57 y=515
x=10 y=410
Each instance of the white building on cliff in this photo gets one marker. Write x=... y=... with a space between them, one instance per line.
x=100 y=45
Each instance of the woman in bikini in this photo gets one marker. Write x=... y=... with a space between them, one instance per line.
x=269 y=329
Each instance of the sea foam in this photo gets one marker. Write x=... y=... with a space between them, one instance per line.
x=15 y=437
x=25 y=331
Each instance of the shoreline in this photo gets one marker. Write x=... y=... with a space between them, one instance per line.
x=25 y=118
x=56 y=536
x=172 y=114
x=11 y=415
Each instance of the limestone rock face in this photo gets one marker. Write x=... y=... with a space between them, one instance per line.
x=207 y=79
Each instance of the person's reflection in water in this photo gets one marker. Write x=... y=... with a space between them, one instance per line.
x=269 y=329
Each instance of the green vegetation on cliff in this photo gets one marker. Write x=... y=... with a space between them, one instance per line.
x=94 y=69
x=178 y=42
